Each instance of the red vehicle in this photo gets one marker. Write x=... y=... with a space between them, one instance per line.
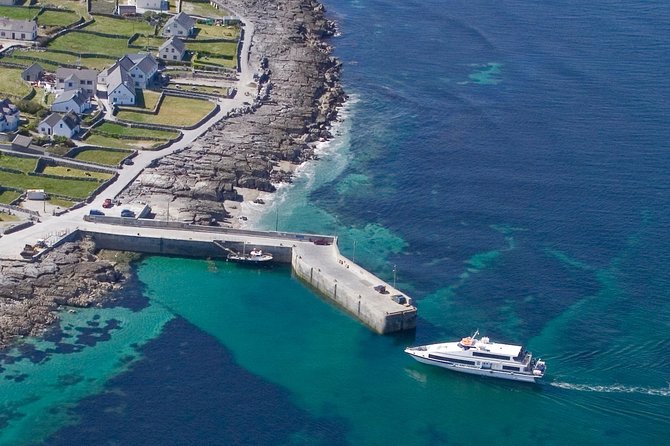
x=107 y=203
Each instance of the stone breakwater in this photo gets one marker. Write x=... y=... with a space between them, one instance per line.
x=298 y=97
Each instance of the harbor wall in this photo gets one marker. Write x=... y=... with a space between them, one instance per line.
x=353 y=301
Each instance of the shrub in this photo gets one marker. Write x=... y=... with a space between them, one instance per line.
x=31 y=107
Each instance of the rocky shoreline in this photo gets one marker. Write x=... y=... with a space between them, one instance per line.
x=298 y=98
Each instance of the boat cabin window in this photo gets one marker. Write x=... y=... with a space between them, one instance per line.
x=490 y=355
x=460 y=361
x=521 y=356
x=510 y=368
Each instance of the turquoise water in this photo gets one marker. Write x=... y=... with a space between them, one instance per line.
x=510 y=160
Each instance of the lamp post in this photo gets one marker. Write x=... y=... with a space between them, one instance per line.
x=395 y=271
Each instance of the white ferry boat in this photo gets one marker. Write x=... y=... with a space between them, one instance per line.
x=481 y=357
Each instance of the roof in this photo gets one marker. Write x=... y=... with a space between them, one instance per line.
x=117 y=77
x=71 y=119
x=51 y=120
x=34 y=68
x=7 y=107
x=79 y=73
x=183 y=19
x=22 y=141
x=77 y=95
x=175 y=42
x=27 y=26
x=127 y=9
x=145 y=62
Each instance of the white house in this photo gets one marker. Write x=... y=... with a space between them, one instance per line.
x=120 y=87
x=75 y=78
x=172 y=49
x=142 y=68
x=55 y=124
x=153 y=5
x=33 y=73
x=180 y=25
x=9 y=116
x=75 y=100
x=18 y=29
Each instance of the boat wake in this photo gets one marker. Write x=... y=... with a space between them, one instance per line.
x=613 y=389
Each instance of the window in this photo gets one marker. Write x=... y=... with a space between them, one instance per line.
x=459 y=361
x=89 y=82
x=510 y=368
x=490 y=355
x=174 y=57
x=164 y=56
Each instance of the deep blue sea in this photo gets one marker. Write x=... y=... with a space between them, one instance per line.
x=511 y=159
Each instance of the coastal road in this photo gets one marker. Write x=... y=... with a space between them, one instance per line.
x=11 y=245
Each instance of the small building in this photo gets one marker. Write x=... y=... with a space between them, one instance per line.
x=75 y=78
x=18 y=29
x=67 y=125
x=126 y=10
x=36 y=194
x=33 y=73
x=10 y=116
x=180 y=25
x=75 y=100
x=142 y=67
x=172 y=49
x=152 y=5
x=231 y=20
x=21 y=143
x=120 y=87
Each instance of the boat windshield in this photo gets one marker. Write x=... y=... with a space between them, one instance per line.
x=521 y=356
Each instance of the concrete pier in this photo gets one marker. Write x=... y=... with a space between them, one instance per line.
x=315 y=259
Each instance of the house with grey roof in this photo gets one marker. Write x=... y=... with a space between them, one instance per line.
x=18 y=29
x=172 y=49
x=33 y=73
x=75 y=100
x=10 y=116
x=180 y=25
x=142 y=68
x=75 y=78
x=120 y=87
x=67 y=125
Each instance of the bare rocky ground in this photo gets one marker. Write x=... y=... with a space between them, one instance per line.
x=298 y=97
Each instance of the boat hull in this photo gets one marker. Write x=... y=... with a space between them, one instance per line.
x=476 y=370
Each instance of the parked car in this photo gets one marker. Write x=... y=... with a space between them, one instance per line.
x=127 y=213
x=108 y=203
x=95 y=212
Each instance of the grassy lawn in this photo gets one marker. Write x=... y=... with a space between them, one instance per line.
x=74 y=188
x=57 y=18
x=21 y=13
x=200 y=9
x=121 y=130
x=174 y=111
x=54 y=60
x=11 y=83
x=221 y=91
x=60 y=202
x=15 y=162
x=75 y=173
x=80 y=42
x=7 y=196
x=125 y=27
x=148 y=42
x=107 y=157
x=118 y=143
x=217 y=32
x=145 y=99
x=73 y=5
x=214 y=62
x=223 y=49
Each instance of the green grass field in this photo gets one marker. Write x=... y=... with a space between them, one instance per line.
x=74 y=188
x=200 y=9
x=11 y=83
x=15 y=162
x=75 y=173
x=100 y=156
x=57 y=18
x=7 y=196
x=174 y=111
x=52 y=61
x=60 y=202
x=111 y=128
x=223 y=49
x=79 y=42
x=125 y=27
x=74 y=5
x=148 y=42
x=119 y=143
x=18 y=13
x=217 y=32
x=145 y=100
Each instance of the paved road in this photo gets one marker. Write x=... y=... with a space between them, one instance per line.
x=12 y=245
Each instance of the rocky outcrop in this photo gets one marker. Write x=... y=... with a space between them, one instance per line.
x=31 y=293
x=298 y=97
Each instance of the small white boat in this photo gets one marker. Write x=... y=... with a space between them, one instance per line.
x=481 y=357
x=255 y=256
